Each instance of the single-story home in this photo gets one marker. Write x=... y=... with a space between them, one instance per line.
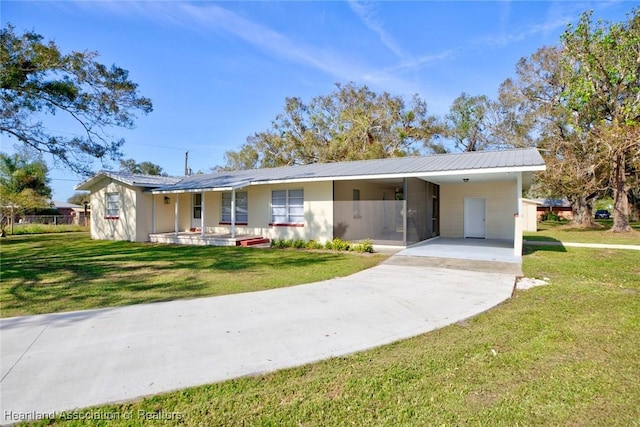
x=395 y=201
x=560 y=207
x=65 y=208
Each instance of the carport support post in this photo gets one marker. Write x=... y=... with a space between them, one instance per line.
x=517 y=237
x=233 y=213
x=405 y=220
x=202 y=232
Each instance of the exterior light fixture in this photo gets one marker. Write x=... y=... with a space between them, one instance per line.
x=167 y=200
x=465 y=179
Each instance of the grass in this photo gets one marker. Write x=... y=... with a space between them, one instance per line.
x=564 y=354
x=565 y=232
x=19 y=229
x=65 y=272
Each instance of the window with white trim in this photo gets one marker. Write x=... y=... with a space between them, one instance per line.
x=242 y=207
x=113 y=205
x=287 y=207
x=197 y=205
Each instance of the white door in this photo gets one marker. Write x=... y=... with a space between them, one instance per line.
x=474 y=217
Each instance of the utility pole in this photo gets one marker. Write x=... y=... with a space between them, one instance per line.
x=186 y=163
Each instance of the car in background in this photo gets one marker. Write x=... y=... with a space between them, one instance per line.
x=603 y=214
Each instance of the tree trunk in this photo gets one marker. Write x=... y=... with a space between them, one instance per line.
x=620 y=196
x=582 y=212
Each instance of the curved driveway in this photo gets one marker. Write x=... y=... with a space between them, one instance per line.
x=62 y=361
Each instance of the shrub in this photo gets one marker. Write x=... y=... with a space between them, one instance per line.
x=281 y=243
x=364 y=246
x=335 y=245
x=340 y=245
x=312 y=244
x=550 y=216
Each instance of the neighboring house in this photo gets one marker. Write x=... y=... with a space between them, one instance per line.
x=560 y=207
x=396 y=201
x=64 y=208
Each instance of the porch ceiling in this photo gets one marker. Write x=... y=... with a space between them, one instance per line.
x=479 y=178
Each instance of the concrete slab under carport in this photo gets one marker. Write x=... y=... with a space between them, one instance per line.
x=484 y=255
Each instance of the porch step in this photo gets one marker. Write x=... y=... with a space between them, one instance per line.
x=252 y=241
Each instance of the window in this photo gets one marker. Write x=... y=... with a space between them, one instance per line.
x=197 y=206
x=242 y=207
x=113 y=205
x=287 y=207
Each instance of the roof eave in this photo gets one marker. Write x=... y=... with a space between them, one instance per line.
x=534 y=168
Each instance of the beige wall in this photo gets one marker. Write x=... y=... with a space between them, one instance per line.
x=318 y=208
x=164 y=213
x=125 y=226
x=501 y=205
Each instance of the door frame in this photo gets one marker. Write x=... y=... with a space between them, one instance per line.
x=469 y=220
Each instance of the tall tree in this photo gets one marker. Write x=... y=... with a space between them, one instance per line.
x=477 y=123
x=36 y=79
x=564 y=139
x=352 y=123
x=144 y=168
x=468 y=122
x=603 y=65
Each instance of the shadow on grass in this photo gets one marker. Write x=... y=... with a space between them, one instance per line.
x=50 y=273
x=542 y=243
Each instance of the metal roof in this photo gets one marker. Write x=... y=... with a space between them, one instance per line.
x=135 y=180
x=528 y=159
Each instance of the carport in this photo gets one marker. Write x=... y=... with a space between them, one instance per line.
x=472 y=249
x=466 y=254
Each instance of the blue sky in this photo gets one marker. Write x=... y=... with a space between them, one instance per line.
x=218 y=72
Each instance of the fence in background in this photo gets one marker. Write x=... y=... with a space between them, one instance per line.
x=53 y=219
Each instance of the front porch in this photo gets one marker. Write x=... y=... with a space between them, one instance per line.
x=198 y=238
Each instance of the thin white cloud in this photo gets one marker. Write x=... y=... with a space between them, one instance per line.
x=505 y=39
x=208 y=17
x=367 y=12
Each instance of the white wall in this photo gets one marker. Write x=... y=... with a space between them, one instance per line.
x=529 y=215
x=501 y=205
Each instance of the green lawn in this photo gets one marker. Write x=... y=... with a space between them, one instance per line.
x=64 y=272
x=563 y=231
x=563 y=354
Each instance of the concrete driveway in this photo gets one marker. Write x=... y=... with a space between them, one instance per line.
x=58 y=362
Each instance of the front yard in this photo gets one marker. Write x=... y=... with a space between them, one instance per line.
x=564 y=231
x=65 y=272
x=563 y=354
